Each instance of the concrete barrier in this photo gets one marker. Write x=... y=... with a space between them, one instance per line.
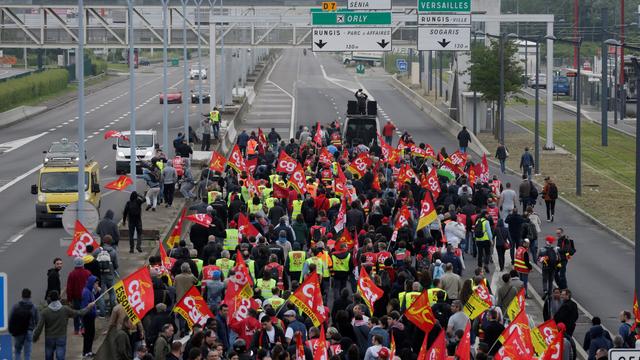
x=20 y=113
x=441 y=118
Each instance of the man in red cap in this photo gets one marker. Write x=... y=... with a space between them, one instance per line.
x=548 y=258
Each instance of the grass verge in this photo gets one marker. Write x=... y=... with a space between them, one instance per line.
x=602 y=198
x=118 y=67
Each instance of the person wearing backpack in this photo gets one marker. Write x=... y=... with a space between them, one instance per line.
x=550 y=195
x=566 y=250
x=107 y=258
x=22 y=322
x=548 y=258
x=483 y=236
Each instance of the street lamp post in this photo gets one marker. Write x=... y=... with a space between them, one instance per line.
x=185 y=77
x=165 y=80
x=577 y=43
x=132 y=100
x=634 y=60
x=475 y=96
x=198 y=3
x=80 y=72
x=537 y=41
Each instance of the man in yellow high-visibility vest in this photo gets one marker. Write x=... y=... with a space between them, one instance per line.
x=214 y=116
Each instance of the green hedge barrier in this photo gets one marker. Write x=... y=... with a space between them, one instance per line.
x=16 y=92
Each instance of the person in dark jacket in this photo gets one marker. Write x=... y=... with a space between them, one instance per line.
x=107 y=226
x=568 y=312
x=262 y=339
x=355 y=216
x=600 y=339
x=502 y=153
x=515 y=221
x=492 y=331
x=89 y=319
x=526 y=163
x=243 y=139
x=503 y=240
x=133 y=214
x=22 y=321
x=53 y=277
x=596 y=326
x=464 y=138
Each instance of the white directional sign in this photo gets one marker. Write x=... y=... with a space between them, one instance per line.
x=444 y=19
x=352 y=39
x=369 y=4
x=444 y=38
x=624 y=354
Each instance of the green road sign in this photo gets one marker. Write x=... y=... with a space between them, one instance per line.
x=455 y=6
x=351 y=18
x=359 y=69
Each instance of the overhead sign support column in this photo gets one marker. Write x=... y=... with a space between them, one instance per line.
x=444 y=25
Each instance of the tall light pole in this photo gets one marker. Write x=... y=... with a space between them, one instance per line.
x=80 y=72
x=132 y=100
x=634 y=60
x=185 y=75
x=475 y=94
x=165 y=80
x=222 y=61
x=213 y=94
x=198 y=3
x=537 y=41
x=577 y=43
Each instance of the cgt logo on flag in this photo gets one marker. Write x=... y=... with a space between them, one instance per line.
x=135 y=294
x=193 y=308
x=120 y=183
x=115 y=134
x=81 y=239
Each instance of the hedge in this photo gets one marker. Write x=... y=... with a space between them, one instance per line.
x=15 y=92
x=98 y=66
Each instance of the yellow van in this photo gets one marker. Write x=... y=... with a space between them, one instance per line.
x=57 y=187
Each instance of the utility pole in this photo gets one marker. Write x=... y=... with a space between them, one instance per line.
x=185 y=77
x=132 y=101
x=80 y=72
x=604 y=96
x=165 y=80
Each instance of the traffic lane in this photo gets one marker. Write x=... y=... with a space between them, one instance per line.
x=286 y=72
x=407 y=117
x=42 y=245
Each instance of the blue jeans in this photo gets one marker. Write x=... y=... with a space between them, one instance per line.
x=525 y=279
x=388 y=139
x=216 y=129
x=57 y=345
x=502 y=165
x=527 y=170
x=23 y=342
x=463 y=149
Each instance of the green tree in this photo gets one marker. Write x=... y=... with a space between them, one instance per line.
x=484 y=72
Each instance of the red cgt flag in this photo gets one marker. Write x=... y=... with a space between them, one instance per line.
x=217 y=162
x=120 y=183
x=341 y=218
x=320 y=352
x=167 y=262
x=368 y=289
x=286 y=164
x=176 y=232
x=280 y=192
x=201 y=219
x=421 y=314
x=299 y=347
x=437 y=351
x=308 y=298
x=298 y=180
x=514 y=347
x=193 y=308
x=325 y=156
x=135 y=294
x=317 y=138
x=463 y=351
x=360 y=164
x=432 y=183
x=115 y=134
x=236 y=161
x=555 y=349
x=345 y=238
x=245 y=227
x=81 y=239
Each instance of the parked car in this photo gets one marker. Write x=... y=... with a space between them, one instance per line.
x=542 y=80
x=174 y=96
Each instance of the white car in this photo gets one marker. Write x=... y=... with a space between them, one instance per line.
x=198 y=73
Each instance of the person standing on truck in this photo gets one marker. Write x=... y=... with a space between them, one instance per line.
x=362 y=101
x=387 y=132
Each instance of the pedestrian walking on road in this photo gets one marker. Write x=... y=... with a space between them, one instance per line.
x=387 y=131
x=22 y=321
x=568 y=312
x=53 y=278
x=76 y=282
x=169 y=179
x=107 y=258
x=550 y=195
x=107 y=226
x=464 y=138
x=133 y=214
x=483 y=236
x=524 y=192
x=526 y=163
x=502 y=241
x=502 y=154
x=53 y=320
x=89 y=294
x=274 y=138
x=522 y=264
x=548 y=258
x=205 y=124
x=566 y=249
x=507 y=201
x=242 y=140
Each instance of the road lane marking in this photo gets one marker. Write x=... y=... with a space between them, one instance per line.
x=52 y=129
x=59 y=126
x=12 y=145
x=14 y=239
x=19 y=178
x=104 y=167
x=89 y=137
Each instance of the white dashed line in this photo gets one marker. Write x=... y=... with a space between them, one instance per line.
x=72 y=120
x=90 y=137
x=104 y=167
x=96 y=133
x=52 y=129
x=107 y=126
x=101 y=129
x=65 y=123
x=59 y=126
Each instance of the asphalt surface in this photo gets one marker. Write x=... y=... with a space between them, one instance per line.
x=11 y=72
x=26 y=252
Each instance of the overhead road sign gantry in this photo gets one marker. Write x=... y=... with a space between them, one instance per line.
x=369 y=4
x=351 y=39
x=444 y=6
x=441 y=38
x=350 y=18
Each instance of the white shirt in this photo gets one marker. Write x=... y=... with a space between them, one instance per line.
x=508 y=199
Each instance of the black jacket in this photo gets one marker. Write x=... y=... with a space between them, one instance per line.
x=567 y=314
x=107 y=226
x=53 y=281
x=261 y=339
x=464 y=138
